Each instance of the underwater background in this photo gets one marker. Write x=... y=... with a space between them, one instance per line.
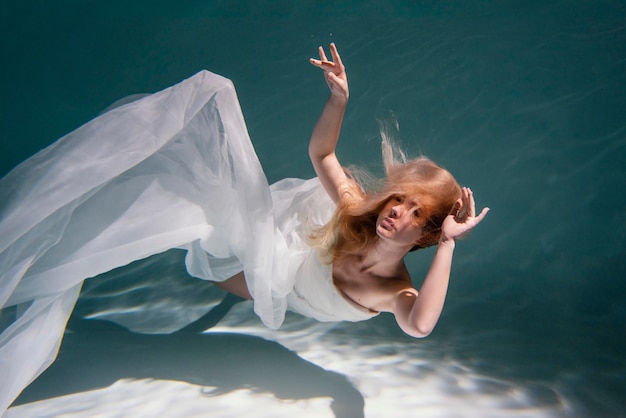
x=524 y=101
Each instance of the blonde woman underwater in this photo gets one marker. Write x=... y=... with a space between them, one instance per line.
x=419 y=205
x=177 y=170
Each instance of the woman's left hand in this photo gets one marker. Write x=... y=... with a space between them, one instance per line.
x=462 y=218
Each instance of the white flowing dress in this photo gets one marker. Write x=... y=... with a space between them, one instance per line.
x=175 y=169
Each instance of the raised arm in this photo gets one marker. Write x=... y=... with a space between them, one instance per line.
x=417 y=313
x=326 y=132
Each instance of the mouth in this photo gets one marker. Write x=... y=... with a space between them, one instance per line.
x=387 y=224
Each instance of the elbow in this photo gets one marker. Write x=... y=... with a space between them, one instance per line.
x=422 y=332
x=316 y=153
x=420 y=329
x=418 y=332
x=414 y=318
x=313 y=153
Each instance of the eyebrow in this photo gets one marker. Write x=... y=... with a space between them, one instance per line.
x=413 y=202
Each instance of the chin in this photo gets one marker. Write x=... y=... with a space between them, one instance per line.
x=383 y=233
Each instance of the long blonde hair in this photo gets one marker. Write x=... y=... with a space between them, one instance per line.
x=352 y=229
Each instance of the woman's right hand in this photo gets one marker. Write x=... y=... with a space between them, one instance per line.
x=334 y=72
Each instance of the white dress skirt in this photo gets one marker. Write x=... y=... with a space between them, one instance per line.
x=175 y=169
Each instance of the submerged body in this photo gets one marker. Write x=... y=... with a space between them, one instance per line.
x=145 y=177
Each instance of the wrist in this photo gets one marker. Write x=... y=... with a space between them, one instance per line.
x=446 y=242
x=338 y=99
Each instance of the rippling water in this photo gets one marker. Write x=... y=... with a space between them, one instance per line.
x=526 y=103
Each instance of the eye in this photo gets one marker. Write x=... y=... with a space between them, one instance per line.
x=398 y=198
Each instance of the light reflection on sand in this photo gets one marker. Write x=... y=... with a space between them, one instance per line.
x=396 y=377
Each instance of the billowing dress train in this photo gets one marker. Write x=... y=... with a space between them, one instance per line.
x=175 y=169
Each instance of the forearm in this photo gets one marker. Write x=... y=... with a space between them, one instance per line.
x=322 y=147
x=326 y=132
x=432 y=295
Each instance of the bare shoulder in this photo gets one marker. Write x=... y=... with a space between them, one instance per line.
x=396 y=293
x=397 y=290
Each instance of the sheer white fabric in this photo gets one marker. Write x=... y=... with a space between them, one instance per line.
x=175 y=169
x=299 y=204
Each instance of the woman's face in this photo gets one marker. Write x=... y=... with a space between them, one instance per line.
x=399 y=221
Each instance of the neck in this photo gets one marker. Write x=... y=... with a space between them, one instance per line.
x=383 y=258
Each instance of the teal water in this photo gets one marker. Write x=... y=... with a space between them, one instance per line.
x=525 y=102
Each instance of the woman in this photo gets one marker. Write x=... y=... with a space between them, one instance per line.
x=420 y=205
x=176 y=169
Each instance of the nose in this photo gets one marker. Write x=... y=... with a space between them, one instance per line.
x=395 y=211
